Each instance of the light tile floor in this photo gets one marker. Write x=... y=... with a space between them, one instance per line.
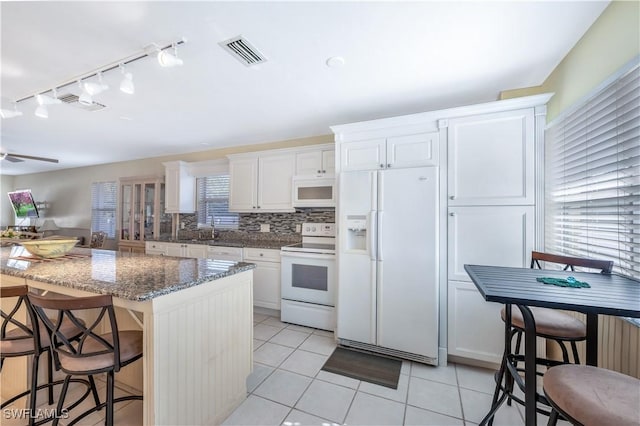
x=288 y=388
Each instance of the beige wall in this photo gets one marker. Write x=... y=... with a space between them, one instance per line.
x=6 y=211
x=612 y=41
x=68 y=192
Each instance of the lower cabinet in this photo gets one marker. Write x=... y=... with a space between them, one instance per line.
x=266 y=276
x=196 y=251
x=476 y=330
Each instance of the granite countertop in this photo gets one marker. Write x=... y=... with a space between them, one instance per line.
x=129 y=276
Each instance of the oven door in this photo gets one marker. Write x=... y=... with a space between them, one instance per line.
x=308 y=277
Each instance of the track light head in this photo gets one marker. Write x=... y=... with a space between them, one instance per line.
x=47 y=100
x=127 y=85
x=166 y=59
x=10 y=113
x=42 y=111
x=93 y=88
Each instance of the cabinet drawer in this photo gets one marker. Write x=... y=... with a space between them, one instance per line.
x=225 y=253
x=261 y=255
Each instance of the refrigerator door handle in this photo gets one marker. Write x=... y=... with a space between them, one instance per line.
x=372 y=241
x=380 y=219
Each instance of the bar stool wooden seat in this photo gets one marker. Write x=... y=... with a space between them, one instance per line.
x=92 y=353
x=20 y=338
x=592 y=396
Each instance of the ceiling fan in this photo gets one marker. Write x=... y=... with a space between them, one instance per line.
x=18 y=158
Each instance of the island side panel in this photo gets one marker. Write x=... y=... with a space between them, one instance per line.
x=202 y=351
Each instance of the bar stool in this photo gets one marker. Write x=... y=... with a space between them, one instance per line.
x=550 y=324
x=92 y=353
x=18 y=338
x=592 y=396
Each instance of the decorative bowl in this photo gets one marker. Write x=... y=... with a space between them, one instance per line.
x=49 y=248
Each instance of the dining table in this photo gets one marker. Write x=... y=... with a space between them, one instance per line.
x=607 y=294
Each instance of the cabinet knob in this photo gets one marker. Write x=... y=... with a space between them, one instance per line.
x=453 y=197
x=258 y=206
x=382 y=166
x=324 y=171
x=254 y=207
x=389 y=165
x=261 y=254
x=452 y=214
x=319 y=171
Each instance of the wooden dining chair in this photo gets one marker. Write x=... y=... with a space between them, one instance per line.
x=93 y=353
x=592 y=396
x=21 y=338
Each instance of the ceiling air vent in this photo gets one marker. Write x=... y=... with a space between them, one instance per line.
x=71 y=99
x=243 y=51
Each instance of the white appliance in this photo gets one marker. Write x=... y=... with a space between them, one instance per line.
x=314 y=192
x=388 y=262
x=309 y=278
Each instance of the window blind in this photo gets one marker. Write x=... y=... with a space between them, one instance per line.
x=213 y=202
x=592 y=169
x=103 y=207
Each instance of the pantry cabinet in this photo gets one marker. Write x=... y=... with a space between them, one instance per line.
x=413 y=150
x=490 y=159
x=261 y=183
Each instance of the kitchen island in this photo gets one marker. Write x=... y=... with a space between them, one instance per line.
x=196 y=316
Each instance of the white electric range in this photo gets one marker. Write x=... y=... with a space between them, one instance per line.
x=309 y=278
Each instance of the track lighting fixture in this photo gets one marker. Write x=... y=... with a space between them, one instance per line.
x=166 y=59
x=91 y=88
x=43 y=101
x=126 y=85
x=10 y=113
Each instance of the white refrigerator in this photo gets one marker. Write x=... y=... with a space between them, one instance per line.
x=388 y=262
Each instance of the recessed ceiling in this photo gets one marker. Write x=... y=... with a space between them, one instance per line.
x=399 y=58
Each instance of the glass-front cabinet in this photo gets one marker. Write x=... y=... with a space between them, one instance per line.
x=142 y=213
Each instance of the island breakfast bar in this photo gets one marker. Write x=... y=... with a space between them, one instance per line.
x=196 y=316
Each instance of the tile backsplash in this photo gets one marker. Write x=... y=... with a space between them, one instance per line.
x=279 y=223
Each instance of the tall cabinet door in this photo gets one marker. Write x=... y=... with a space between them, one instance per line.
x=485 y=235
x=275 y=175
x=242 y=191
x=408 y=260
x=491 y=159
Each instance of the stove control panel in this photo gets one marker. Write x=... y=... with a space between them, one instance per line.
x=319 y=229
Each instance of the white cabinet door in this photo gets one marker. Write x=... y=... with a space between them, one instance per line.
x=175 y=249
x=488 y=235
x=275 y=175
x=196 y=251
x=491 y=159
x=309 y=163
x=155 y=248
x=412 y=150
x=363 y=155
x=329 y=162
x=266 y=285
x=179 y=188
x=242 y=187
x=475 y=329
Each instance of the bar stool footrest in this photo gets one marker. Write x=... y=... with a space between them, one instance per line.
x=103 y=405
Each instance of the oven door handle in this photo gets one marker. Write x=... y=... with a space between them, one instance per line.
x=308 y=255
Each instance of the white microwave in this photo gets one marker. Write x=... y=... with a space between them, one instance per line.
x=310 y=192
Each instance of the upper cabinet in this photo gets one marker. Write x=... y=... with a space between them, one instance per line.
x=261 y=182
x=318 y=163
x=415 y=150
x=180 y=188
x=491 y=159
